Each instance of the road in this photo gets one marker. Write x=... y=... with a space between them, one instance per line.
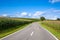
x=32 y=32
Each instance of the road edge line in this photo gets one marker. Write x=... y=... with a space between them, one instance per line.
x=15 y=32
x=49 y=32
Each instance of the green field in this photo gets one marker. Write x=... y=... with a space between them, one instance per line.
x=10 y=25
x=52 y=26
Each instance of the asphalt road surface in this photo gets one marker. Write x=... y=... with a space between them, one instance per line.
x=32 y=32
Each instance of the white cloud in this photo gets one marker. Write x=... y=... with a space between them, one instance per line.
x=4 y=15
x=54 y=1
x=18 y=14
x=52 y=10
x=29 y=14
x=51 y=17
x=23 y=14
x=56 y=11
x=37 y=14
x=52 y=13
x=54 y=18
x=49 y=14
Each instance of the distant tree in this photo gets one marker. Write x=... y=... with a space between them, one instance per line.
x=42 y=18
x=58 y=18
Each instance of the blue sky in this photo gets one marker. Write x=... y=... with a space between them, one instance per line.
x=50 y=9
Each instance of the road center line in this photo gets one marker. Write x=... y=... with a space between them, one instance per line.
x=32 y=33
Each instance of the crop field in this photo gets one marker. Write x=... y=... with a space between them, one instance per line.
x=9 y=24
x=53 y=27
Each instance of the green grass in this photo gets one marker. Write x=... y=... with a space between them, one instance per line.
x=52 y=26
x=10 y=25
x=10 y=31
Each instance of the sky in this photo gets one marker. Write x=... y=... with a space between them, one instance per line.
x=50 y=9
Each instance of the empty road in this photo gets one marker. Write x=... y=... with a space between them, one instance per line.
x=32 y=32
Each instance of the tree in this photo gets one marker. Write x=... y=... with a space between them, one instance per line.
x=58 y=18
x=42 y=18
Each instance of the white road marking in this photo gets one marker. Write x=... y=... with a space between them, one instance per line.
x=14 y=32
x=50 y=33
x=32 y=33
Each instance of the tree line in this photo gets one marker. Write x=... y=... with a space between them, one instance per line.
x=43 y=18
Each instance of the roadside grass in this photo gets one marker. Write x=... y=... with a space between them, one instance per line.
x=12 y=30
x=11 y=25
x=52 y=26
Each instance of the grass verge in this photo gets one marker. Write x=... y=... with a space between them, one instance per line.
x=12 y=30
x=53 y=31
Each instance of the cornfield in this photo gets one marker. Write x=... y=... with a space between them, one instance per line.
x=7 y=23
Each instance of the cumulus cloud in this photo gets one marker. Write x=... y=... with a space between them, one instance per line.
x=54 y=1
x=52 y=10
x=37 y=14
x=18 y=14
x=51 y=17
x=54 y=18
x=23 y=13
x=30 y=14
x=56 y=11
x=51 y=13
x=4 y=15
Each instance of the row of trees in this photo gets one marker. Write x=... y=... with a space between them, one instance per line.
x=43 y=18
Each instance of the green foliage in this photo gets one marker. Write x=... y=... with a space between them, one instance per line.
x=58 y=18
x=7 y=23
x=42 y=18
x=53 y=26
x=11 y=25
